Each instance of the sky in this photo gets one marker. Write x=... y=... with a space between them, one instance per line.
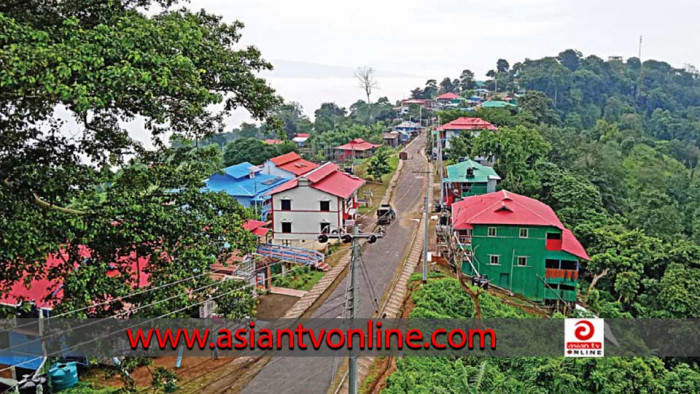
x=316 y=45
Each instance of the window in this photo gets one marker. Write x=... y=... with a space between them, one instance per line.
x=566 y=287
x=522 y=261
x=523 y=233
x=551 y=264
x=569 y=265
x=492 y=232
x=556 y=236
x=494 y=259
x=286 y=227
x=286 y=204
x=325 y=227
x=325 y=206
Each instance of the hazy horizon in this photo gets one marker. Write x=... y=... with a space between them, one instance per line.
x=315 y=45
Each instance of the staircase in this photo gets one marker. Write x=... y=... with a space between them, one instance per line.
x=295 y=255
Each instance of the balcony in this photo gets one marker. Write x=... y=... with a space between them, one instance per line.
x=554 y=273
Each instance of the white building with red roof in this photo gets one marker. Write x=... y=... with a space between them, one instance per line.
x=324 y=198
x=459 y=125
x=289 y=165
x=300 y=139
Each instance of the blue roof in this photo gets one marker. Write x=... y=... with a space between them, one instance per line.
x=240 y=170
x=237 y=182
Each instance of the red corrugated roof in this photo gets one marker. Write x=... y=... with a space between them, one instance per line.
x=506 y=208
x=328 y=179
x=303 y=135
x=293 y=163
x=256 y=227
x=273 y=142
x=321 y=172
x=447 y=96
x=46 y=293
x=285 y=158
x=357 y=144
x=339 y=184
x=299 y=167
x=468 y=124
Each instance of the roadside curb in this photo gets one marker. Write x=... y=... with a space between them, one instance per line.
x=393 y=305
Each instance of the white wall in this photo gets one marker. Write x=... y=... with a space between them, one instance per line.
x=270 y=168
x=305 y=215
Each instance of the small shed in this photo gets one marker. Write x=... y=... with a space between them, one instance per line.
x=391 y=139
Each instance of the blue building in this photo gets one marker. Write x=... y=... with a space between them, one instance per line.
x=247 y=184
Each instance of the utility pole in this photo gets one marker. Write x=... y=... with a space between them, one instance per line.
x=442 y=192
x=352 y=298
x=426 y=227
x=640 y=79
x=426 y=213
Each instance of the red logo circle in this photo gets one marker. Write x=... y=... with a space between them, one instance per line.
x=584 y=332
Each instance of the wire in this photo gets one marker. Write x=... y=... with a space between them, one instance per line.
x=120 y=298
x=132 y=295
x=165 y=315
x=369 y=284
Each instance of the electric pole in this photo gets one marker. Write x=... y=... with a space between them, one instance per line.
x=352 y=297
x=426 y=213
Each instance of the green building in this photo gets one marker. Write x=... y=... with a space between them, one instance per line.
x=468 y=178
x=520 y=244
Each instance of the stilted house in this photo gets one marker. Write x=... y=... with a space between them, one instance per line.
x=520 y=244
x=460 y=125
x=468 y=178
x=355 y=149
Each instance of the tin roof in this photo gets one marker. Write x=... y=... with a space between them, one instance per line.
x=458 y=172
x=506 y=208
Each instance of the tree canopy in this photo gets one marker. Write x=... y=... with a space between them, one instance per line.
x=76 y=184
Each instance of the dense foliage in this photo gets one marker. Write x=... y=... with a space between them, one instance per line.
x=444 y=298
x=613 y=148
x=73 y=180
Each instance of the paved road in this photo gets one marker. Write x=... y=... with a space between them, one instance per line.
x=314 y=375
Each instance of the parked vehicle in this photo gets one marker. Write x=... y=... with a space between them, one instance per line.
x=385 y=214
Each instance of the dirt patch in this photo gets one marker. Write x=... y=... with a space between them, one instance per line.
x=273 y=306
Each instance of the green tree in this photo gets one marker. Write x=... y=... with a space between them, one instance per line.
x=328 y=117
x=379 y=164
x=293 y=119
x=502 y=65
x=515 y=151
x=466 y=80
x=446 y=86
x=106 y=63
x=570 y=59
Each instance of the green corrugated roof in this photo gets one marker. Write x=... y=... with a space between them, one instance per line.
x=458 y=172
x=497 y=104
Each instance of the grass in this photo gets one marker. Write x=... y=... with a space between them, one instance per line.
x=84 y=387
x=303 y=278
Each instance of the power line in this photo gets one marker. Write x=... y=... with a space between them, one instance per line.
x=120 y=298
x=148 y=321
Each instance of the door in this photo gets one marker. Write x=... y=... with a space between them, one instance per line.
x=504 y=280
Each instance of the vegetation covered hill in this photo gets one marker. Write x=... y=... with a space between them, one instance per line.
x=614 y=149
x=444 y=298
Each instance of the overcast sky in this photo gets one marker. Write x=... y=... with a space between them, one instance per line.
x=315 y=44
